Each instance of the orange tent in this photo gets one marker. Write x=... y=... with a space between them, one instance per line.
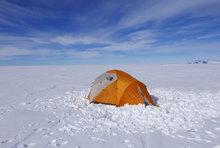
x=119 y=88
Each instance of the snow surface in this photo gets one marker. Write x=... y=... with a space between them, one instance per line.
x=45 y=106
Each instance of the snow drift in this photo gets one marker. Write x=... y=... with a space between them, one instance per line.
x=179 y=111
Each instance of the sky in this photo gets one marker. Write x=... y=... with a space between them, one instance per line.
x=75 y=32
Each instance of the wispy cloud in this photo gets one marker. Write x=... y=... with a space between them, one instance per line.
x=15 y=15
x=48 y=28
x=84 y=54
x=146 y=35
x=159 y=10
x=138 y=40
x=12 y=52
x=186 y=46
x=211 y=35
x=66 y=40
x=15 y=10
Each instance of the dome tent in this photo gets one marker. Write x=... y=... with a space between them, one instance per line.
x=119 y=88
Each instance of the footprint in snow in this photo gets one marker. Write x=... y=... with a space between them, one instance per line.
x=33 y=124
x=7 y=141
x=58 y=142
x=48 y=135
x=26 y=145
x=51 y=121
x=2 y=112
x=41 y=129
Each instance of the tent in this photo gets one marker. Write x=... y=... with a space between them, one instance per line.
x=119 y=88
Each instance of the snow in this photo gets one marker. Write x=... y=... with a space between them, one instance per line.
x=45 y=106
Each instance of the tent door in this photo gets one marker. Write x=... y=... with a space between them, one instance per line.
x=146 y=102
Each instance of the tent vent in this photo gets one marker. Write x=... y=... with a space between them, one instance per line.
x=109 y=78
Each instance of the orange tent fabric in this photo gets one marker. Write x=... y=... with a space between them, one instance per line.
x=119 y=88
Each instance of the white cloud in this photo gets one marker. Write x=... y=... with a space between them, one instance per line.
x=173 y=47
x=66 y=40
x=70 y=40
x=11 y=9
x=12 y=52
x=123 y=46
x=139 y=40
x=159 y=10
x=84 y=54
x=141 y=35
x=187 y=46
x=211 y=35
x=14 y=39
x=12 y=14
x=136 y=14
x=5 y=21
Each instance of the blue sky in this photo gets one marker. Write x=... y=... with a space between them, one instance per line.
x=54 y=32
